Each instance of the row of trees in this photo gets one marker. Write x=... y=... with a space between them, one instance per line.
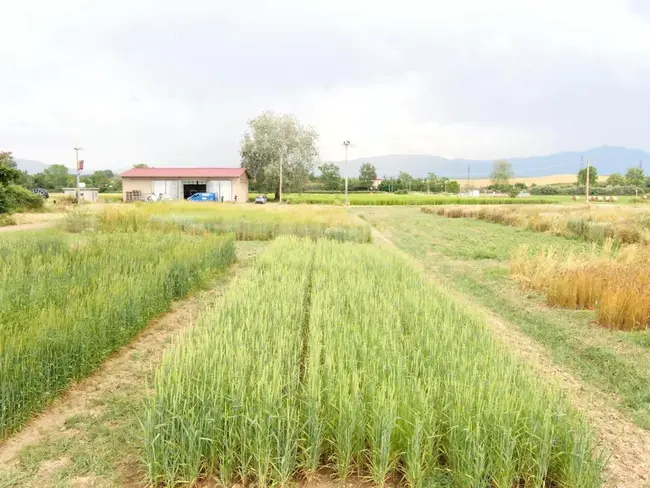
x=332 y=180
x=280 y=141
x=633 y=177
x=502 y=174
x=58 y=176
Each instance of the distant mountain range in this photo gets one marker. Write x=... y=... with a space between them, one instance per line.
x=32 y=167
x=606 y=159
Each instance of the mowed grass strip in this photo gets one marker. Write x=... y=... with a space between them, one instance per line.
x=349 y=359
x=67 y=303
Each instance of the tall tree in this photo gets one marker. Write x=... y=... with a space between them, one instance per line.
x=593 y=176
x=616 y=179
x=101 y=179
x=270 y=138
x=54 y=177
x=141 y=165
x=367 y=175
x=502 y=173
x=405 y=179
x=331 y=176
x=7 y=159
x=453 y=187
x=635 y=176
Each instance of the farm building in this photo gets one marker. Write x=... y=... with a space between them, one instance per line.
x=85 y=194
x=181 y=183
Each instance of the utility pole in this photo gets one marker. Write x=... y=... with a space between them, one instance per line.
x=346 y=144
x=76 y=151
x=469 y=168
x=587 y=182
x=280 y=192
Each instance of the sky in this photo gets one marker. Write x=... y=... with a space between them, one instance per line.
x=168 y=82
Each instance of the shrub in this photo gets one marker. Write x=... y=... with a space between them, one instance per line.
x=14 y=198
x=545 y=190
x=6 y=219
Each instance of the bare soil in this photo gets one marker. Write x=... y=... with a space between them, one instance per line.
x=35 y=226
x=626 y=444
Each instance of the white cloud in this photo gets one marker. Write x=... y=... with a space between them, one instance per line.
x=174 y=82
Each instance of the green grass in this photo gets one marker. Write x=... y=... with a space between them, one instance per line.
x=103 y=443
x=454 y=251
x=67 y=302
x=410 y=199
x=346 y=357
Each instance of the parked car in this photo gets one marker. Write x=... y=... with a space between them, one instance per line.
x=203 y=197
x=261 y=199
x=42 y=192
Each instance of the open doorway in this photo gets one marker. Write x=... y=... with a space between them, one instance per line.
x=189 y=190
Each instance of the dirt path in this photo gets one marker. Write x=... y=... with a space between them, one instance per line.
x=125 y=375
x=35 y=226
x=627 y=445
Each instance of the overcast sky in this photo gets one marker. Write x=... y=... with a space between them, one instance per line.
x=173 y=82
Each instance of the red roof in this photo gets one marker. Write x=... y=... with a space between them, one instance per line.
x=184 y=173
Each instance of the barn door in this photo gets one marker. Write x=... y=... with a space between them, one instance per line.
x=226 y=190
x=158 y=187
x=172 y=189
x=213 y=187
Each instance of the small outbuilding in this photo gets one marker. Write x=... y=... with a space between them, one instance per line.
x=231 y=184
x=85 y=194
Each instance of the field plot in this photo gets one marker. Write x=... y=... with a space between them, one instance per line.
x=247 y=222
x=410 y=199
x=615 y=282
x=625 y=224
x=474 y=258
x=348 y=358
x=67 y=302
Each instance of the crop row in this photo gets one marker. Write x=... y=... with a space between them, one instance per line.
x=347 y=358
x=247 y=223
x=66 y=304
x=614 y=282
x=626 y=225
x=410 y=199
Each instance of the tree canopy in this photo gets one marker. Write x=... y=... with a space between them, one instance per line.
x=502 y=173
x=367 y=175
x=54 y=177
x=593 y=176
x=271 y=137
x=616 y=179
x=330 y=176
x=635 y=176
x=7 y=159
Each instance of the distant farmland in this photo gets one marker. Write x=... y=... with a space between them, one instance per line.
x=529 y=180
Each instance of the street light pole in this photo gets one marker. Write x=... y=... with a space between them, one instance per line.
x=346 y=144
x=76 y=151
x=280 y=194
